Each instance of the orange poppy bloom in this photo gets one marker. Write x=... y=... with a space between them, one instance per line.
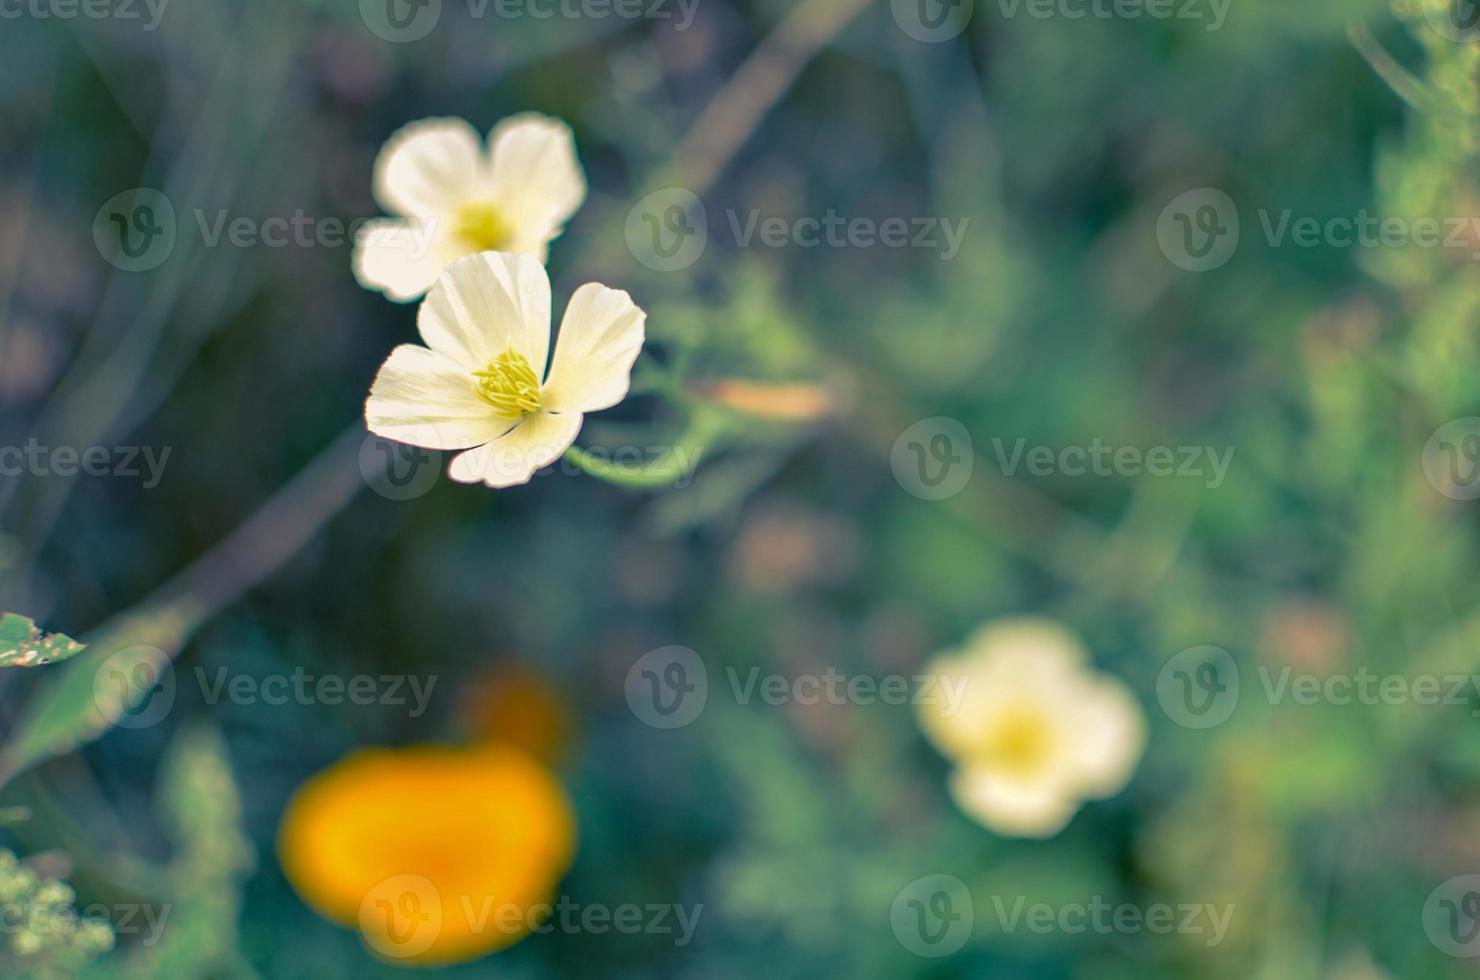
x=437 y=854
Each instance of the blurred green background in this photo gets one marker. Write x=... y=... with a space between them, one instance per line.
x=1060 y=321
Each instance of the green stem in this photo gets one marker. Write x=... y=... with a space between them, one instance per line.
x=1403 y=82
x=665 y=472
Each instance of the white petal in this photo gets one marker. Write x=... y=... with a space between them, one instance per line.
x=1110 y=735
x=1015 y=809
x=423 y=399
x=600 y=337
x=429 y=167
x=400 y=258
x=536 y=441
x=486 y=304
x=536 y=181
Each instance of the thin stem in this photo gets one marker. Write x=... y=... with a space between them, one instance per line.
x=665 y=472
x=757 y=85
x=1403 y=82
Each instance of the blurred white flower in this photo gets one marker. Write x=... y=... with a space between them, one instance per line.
x=1037 y=732
x=481 y=380
x=455 y=199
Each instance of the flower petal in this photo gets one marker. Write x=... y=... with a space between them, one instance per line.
x=399 y=258
x=536 y=441
x=423 y=399
x=1016 y=809
x=536 y=181
x=429 y=167
x=600 y=337
x=1110 y=735
x=486 y=304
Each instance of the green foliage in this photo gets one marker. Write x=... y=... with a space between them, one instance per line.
x=23 y=645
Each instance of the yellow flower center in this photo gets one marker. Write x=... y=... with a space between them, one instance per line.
x=1022 y=741
x=481 y=228
x=509 y=385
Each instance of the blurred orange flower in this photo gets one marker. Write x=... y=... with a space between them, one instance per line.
x=516 y=705
x=437 y=854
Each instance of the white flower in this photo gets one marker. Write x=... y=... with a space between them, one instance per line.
x=1036 y=730
x=454 y=199
x=481 y=382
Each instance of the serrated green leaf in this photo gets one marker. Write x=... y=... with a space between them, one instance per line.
x=23 y=645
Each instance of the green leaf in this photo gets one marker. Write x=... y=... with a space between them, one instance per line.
x=23 y=645
x=200 y=807
x=84 y=698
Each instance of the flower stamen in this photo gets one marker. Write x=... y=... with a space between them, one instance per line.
x=1021 y=741
x=481 y=228
x=509 y=385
